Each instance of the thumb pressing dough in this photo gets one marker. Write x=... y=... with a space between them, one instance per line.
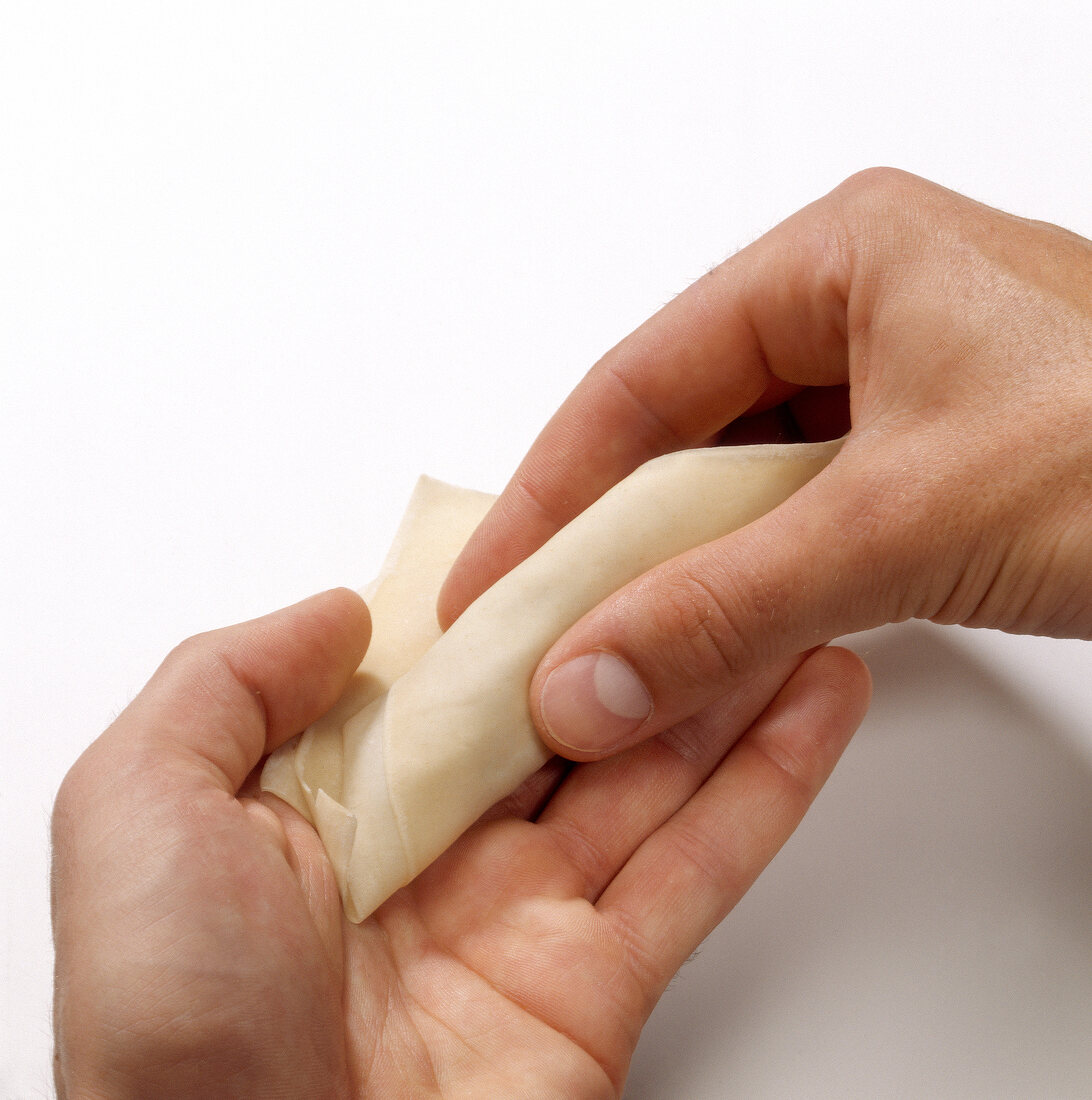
x=433 y=730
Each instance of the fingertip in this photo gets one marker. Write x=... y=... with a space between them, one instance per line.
x=813 y=717
x=481 y=563
x=465 y=581
x=346 y=612
x=848 y=675
x=325 y=637
x=450 y=603
x=232 y=695
x=591 y=706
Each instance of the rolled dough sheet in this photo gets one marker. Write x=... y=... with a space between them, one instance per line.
x=433 y=730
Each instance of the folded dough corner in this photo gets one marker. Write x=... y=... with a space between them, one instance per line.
x=434 y=729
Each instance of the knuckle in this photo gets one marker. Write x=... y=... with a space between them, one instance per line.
x=201 y=662
x=644 y=956
x=204 y=669
x=661 y=432
x=888 y=219
x=697 y=853
x=697 y=617
x=790 y=768
x=881 y=188
x=534 y=496
x=185 y=667
x=189 y=653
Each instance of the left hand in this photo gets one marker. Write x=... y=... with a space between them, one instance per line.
x=201 y=948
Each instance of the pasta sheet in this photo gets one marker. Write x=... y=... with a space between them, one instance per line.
x=433 y=729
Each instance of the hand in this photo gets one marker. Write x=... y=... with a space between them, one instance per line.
x=955 y=344
x=201 y=949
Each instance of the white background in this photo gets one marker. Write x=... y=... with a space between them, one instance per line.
x=263 y=263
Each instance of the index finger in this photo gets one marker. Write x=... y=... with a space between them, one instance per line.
x=768 y=319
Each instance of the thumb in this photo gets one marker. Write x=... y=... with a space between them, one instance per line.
x=833 y=559
x=227 y=697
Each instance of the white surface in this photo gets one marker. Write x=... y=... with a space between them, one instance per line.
x=261 y=264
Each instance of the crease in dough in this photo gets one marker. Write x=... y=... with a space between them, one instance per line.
x=433 y=730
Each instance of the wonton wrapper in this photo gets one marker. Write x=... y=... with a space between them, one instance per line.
x=433 y=730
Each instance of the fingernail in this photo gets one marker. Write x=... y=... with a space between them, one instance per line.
x=593 y=703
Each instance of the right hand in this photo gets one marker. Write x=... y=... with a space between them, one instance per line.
x=963 y=494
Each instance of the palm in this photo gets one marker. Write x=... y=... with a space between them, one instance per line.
x=201 y=945
x=485 y=974
x=525 y=961
x=491 y=974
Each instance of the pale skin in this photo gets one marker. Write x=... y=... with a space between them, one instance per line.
x=201 y=946
x=952 y=341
